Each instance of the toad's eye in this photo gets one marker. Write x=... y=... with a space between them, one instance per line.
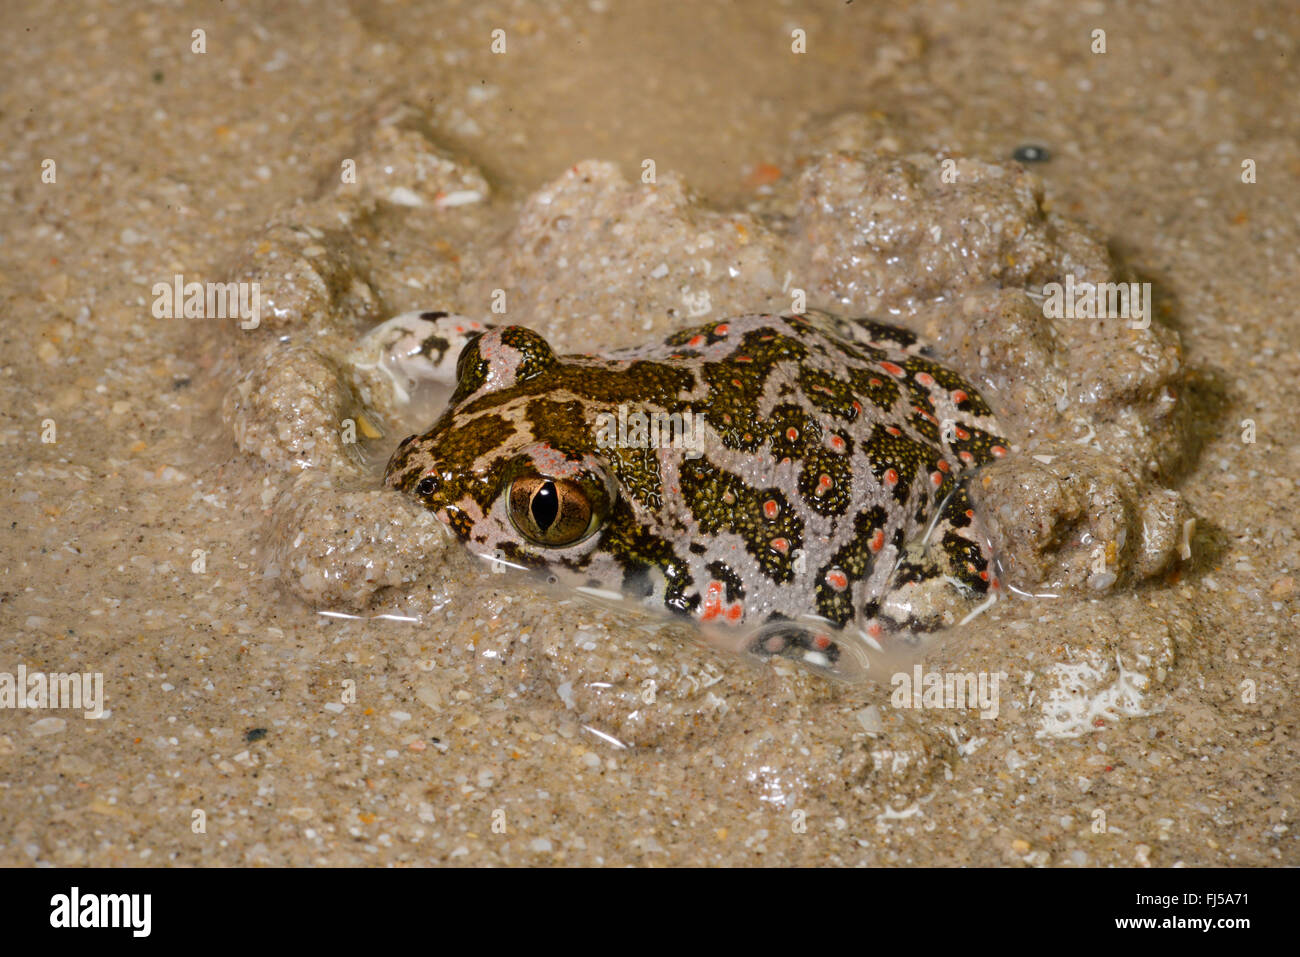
x=550 y=512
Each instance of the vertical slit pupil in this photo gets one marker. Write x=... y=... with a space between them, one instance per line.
x=545 y=506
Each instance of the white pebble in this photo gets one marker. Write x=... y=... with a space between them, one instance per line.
x=1101 y=581
x=401 y=196
x=48 y=726
x=869 y=718
x=565 y=691
x=459 y=197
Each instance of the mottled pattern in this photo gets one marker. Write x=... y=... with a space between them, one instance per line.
x=826 y=493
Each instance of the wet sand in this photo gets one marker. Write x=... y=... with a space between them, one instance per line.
x=139 y=534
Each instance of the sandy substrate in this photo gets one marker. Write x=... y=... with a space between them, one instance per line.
x=182 y=507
